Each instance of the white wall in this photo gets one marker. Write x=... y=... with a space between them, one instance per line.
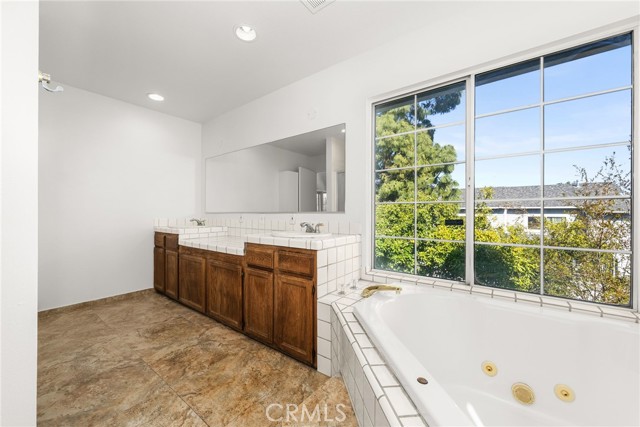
x=107 y=169
x=467 y=34
x=18 y=212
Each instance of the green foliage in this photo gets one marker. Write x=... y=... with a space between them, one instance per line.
x=599 y=224
x=432 y=183
x=394 y=255
x=394 y=220
x=445 y=260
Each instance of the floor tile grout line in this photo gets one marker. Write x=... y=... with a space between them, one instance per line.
x=154 y=371
x=176 y=393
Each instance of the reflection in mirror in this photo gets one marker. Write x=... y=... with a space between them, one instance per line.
x=303 y=173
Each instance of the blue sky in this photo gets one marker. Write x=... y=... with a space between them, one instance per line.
x=594 y=120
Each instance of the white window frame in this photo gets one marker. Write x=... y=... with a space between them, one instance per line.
x=469 y=76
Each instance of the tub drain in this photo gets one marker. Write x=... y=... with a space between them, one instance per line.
x=523 y=393
x=422 y=380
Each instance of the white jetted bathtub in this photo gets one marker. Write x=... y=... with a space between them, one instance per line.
x=446 y=337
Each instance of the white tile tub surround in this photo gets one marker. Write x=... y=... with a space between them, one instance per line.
x=507 y=295
x=376 y=395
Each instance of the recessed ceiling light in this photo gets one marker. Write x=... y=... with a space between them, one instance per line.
x=245 y=33
x=155 y=97
x=343 y=130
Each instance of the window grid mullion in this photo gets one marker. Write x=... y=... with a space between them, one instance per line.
x=415 y=186
x=555 y=101
x=542 y=147
x=469 y=251
x=561 y=248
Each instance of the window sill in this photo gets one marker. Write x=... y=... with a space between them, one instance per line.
x=594 y=309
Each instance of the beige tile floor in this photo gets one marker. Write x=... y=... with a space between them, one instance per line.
x=148 y=361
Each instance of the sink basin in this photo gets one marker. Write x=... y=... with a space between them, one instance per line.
x=300 y=235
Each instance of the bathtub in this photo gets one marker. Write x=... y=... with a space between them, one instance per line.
x=445 y=337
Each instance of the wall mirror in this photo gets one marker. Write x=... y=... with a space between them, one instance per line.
x=302 y=173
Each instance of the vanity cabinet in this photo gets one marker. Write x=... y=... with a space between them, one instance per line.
x=258 y=304
x=171 y=266
x=158 y=269
x=269 y=294
x=212 y=283
x=165 y=264
x=280 y=300
x=191 y=282
x=294 y=327
x=224 y=289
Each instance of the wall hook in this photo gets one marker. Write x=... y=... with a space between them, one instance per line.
x=45 y=80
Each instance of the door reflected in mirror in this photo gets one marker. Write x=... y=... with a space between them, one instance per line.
x=302 y=173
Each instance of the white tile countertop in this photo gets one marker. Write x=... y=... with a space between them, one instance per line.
x=226 y=244
x=187 y=229
x=302 y=243
x=235 y=244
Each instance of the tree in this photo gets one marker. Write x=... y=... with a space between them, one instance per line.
x=601 y=224
x=405 y=183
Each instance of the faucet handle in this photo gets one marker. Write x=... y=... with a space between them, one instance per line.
x=317 y=227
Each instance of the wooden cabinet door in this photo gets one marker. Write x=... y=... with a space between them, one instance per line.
x=294 y=315
x=258 y=304
x=191 y=283
x=158 y=269
x=171 y=274
x=224 y=292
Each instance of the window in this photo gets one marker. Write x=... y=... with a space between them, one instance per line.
x=533 y=223
x=419 y=180
x=551 y=148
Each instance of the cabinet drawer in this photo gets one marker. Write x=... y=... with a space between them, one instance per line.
x=159 y=240
x=171 y=241
x=259 y=256
x=297 y=262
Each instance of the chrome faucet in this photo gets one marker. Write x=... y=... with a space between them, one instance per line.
x=199 y=222
x=308 y=228
x=370 y=290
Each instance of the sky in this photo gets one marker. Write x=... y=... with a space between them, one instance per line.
x=598 y=119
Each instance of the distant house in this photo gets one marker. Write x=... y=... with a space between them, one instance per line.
x=522 y=204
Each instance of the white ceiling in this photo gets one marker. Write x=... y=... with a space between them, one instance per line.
x=187 y=51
